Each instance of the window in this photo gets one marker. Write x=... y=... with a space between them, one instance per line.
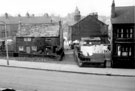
x=127 y=31
x=124 y=33
x=21 y=48
x=131 y=33
x=34 y=48
x=124 y=51
x=120 y=33
x=27 y=39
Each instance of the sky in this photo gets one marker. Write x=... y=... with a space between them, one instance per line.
x=59 y=7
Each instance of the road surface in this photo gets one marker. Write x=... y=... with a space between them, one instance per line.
x=40 y=80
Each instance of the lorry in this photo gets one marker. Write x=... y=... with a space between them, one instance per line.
x=91 y=51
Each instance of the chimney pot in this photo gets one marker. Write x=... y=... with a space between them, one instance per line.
x=6 y=15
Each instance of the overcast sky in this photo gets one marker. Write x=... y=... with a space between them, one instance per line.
x=60 y=7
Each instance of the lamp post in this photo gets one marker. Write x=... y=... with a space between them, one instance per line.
x=5 y=26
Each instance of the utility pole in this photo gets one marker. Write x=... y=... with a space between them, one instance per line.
x=6 y=46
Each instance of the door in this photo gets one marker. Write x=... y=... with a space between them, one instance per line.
x=27 y=49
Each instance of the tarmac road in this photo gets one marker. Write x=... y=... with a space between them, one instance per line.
x=39 y=80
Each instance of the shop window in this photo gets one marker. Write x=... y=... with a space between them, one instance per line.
x=118 y=33
x=21 y=48
x=130 y=51
x=124 y=51
x=119 y=51
x=34 y=48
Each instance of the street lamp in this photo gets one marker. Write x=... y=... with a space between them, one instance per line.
x=6 y=42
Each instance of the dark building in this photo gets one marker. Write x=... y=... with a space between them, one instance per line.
x=87 y=27
x=123 y=36
x=49 y=36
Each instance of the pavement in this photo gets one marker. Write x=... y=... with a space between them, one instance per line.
x=67 y=65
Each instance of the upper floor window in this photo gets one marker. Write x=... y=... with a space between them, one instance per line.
x=27 y=39
x=124 y=33
x=119 y=33
x=131 y=33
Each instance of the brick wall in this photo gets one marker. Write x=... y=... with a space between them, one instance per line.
x=88 y=27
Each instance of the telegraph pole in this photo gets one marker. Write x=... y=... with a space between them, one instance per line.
x=6 y=46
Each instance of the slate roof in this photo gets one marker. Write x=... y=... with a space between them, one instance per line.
x=39 y=31
x=92 y=16
x=124 y=14
x=98 y=31
x=31 y=20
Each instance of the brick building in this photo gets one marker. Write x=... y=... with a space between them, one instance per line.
x=13 y=23
x=50 y=35
x=123 y=36
x=87 y=27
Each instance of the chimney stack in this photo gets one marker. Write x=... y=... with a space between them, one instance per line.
x=19 y=15
x=113 y=9
x=6 y=15
x=27 y=15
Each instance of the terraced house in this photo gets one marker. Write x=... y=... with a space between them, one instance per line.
x=123 y=36
x=13 y=23
x=32 y=35
x=39 y=39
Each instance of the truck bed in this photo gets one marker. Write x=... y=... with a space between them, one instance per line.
x=95 y=58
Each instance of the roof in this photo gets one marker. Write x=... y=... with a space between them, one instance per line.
x=16 y=20
x=89 y=26
x=92 y=16
x=30 y=30
x=124 y=14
